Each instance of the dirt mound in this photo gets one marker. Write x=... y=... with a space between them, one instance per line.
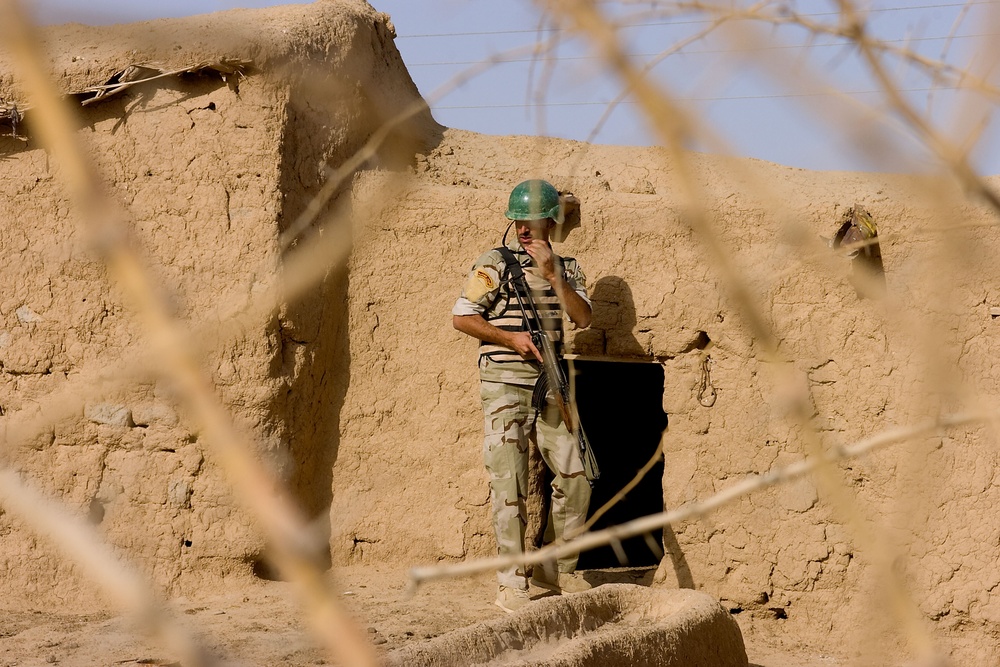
x=615 y=624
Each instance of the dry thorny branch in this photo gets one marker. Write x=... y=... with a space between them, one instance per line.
x=293 y=546
x=675 y=128
x=282 y=521
x=653 y=522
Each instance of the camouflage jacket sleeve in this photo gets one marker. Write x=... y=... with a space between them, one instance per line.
x=481 y=286
x=575 y=277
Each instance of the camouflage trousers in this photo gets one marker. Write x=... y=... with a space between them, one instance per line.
x=511 y=423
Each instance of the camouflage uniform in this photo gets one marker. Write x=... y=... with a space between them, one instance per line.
x=511 y=423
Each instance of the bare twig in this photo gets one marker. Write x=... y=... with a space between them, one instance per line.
x=293 y=550
x=12 y=115
x=648 y=524
x=949 y=154
x=946 y=46
x=649 y=66
x=673 y=129
x=79 y=542
x=620 y=496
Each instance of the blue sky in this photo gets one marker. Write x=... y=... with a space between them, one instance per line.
x=768 y=100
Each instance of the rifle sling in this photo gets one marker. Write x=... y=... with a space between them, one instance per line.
x=538 y=395
x=518 y=280
x=520 y=285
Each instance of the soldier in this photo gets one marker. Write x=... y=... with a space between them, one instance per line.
x=509 y=367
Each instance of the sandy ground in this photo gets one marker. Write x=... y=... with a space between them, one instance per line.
x=263 y=626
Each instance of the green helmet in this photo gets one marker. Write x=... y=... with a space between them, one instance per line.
x=533 y=200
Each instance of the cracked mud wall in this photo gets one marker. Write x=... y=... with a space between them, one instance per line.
x=409 y=486
x=129 y=461
x=364 y=396
x=211 y=173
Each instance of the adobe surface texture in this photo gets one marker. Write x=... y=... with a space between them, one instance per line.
x=363 y=399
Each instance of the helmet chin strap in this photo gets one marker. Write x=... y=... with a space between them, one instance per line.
x=505 y=232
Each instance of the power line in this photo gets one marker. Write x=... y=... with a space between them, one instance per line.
x=691 y=22
x=690 y=99
x=694 y=51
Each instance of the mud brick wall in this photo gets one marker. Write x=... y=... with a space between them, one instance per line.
x=363 y=396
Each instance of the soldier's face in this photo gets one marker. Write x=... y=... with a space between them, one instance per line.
x=529 y=230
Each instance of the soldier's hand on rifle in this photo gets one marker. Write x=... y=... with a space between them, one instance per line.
x=520 y=341
x=541 y=252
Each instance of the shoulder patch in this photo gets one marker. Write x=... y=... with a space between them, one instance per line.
x=486 y=279
x=482 y=281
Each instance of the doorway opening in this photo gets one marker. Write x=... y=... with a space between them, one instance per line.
x=621 y=410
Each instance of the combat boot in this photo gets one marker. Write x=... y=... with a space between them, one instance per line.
x=511 y=599
x=562 y=582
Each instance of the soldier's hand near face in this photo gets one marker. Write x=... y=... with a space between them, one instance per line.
x=541 y=252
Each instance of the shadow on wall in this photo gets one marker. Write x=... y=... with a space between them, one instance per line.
x=672 y=550
x=315 y=338
x=314 y=356
x=612 y=329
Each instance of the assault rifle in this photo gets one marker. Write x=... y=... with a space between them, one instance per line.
x=553 y=375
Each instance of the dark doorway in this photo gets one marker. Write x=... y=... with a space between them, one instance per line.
x=621 y=409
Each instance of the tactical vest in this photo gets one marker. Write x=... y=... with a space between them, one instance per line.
x=505 y=312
